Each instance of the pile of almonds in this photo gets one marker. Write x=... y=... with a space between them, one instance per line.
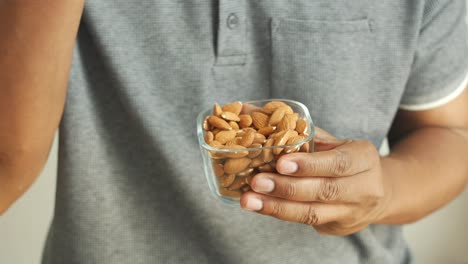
x=237 y=127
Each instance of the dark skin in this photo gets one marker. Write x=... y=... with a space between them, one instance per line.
x=37 y=39
x=345 y=185
x=340 y=189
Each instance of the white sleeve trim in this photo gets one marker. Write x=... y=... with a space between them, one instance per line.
x=384 y=149
x=438 y=102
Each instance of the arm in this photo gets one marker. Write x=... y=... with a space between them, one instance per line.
x=35 y=55
x=345 y=185
x=428 y=166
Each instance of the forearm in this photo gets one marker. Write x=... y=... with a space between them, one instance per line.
x=426 y=169
x=36 y=44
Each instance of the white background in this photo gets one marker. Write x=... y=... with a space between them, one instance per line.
x=439 y=238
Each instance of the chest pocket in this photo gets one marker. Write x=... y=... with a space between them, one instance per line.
x=328 y=66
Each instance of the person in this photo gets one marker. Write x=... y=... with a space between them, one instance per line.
x=130 y=185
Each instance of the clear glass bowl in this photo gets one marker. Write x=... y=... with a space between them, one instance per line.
x=228 y=171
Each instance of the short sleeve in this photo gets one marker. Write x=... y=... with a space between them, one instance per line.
x=440 y=67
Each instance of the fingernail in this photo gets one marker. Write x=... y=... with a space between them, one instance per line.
x=254 y=204
x=263 y=185
x=288 y=166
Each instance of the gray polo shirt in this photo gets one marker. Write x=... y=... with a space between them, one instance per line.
x=131 y=187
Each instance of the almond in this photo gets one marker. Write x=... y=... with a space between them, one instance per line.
x=248 y=138
x=234 y=125
x=246 y=188
x=233 y=166
x=240 y=133
x=218 y=169
x=240 y=153
x=216 y=131
x=305 y=147
x=217 y=110
x=259 y=119
x=255 y=153
x=235 y=107
x=206 y=125
x=245 y=172
x=278 y=114
x=219 y=123
x=224 y=136
x=234 y=141
x=245 y=129
x=273 y=164
x=307 y=131
x=245 y=121
x=229 y=116
x=258 y=161
x=277 y=134
x=216 y=154
x=209 y=137
x=291 y=149
x=248 y=108
x=267 y=154
x=227 y=180
x=293 y=140
x=215 y=144
x=266 y=131
x=282 y=140
x=249 y=178
x=288 y=122
x=270 y=107
x=238 y=183
x=236 y=128
x=259 y=138
x=266 y=168
x=301 y=126
x=229 y=193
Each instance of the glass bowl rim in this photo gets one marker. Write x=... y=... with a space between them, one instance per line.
x=203 y=114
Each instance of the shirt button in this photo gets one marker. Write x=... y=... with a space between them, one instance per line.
x=232 y=21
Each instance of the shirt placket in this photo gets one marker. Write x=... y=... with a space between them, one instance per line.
x=231 y=33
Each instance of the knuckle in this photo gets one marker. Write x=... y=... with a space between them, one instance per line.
x=329 y=190
x=310 y=217
x=277 y=210
x=341 y=163
x=370 y=202
x=289 y=190
x=309 y=167
x=375 y=195
x=373 y=199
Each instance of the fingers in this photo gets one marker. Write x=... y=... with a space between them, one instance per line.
x=312 y=214
x=347 y=159
x=334 y=228
x=249 y=108
x=325 y=141
x=307 y=189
